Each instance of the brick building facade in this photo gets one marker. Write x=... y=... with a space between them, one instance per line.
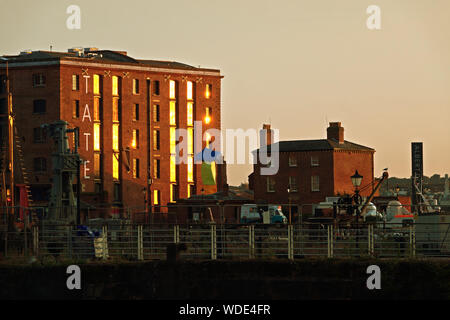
x=313 y=169
x=127 y=111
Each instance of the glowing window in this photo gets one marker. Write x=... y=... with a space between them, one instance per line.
x=173 y=169
x=96 y=136
x=97 y=165
x=96 y=84
x=207 y=139
x=172 y=89
x=135 y=141
x=115 y=85
x=172 y=140
x=190 y=90
x=172 y=113
x=171 y=193
x=115 y=110
x=116 y=166
x=190 y=140
x=190 y=113
x=208 y=91
x=136 y=86
x=208 y=113
x=155 y=197
x=135 y=168
x=156 y=145
x=115 y=137
x=190 y=169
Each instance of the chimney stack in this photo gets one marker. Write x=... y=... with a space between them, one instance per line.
x=268 y=135
x=336 y=132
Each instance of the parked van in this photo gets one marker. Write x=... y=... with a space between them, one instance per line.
x=250 y=213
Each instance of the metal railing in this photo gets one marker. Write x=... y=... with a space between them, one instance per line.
x=131 y=241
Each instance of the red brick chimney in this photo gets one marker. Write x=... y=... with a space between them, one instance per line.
x=268 y=139
x=336 y=132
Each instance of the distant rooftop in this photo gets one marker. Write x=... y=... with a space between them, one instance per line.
x=317 y=145
x=100 y=56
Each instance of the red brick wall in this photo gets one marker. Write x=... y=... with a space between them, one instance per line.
x=60 y=96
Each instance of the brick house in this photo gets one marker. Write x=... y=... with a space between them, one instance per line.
x=313 y=170
x=127 y=111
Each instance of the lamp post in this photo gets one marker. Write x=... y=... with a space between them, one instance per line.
x=356 y=181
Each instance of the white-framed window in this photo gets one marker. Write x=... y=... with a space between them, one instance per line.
x=314 y=161
x=315 y=183
x=292 y=160
x=293 y=184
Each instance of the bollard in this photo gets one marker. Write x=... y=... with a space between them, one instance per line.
x=213 y=242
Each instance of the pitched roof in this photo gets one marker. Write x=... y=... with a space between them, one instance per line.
x=316 y=145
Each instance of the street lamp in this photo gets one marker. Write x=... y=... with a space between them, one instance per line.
x=356 y=181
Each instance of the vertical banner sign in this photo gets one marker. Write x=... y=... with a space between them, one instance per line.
x=417 y=173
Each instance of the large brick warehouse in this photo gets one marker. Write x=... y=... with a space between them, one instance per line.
x=126 y=110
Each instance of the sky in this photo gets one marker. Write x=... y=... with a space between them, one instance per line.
x=296 y=64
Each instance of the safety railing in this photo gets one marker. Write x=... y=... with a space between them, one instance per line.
x=228 y=241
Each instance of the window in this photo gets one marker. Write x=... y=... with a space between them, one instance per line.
x=173 y=169
x=136 y=168
x=208 y=91
x=293 y=184
x=156 y=145
x=135 y=142
x=115 y=166
x=39 y=135
x=190 y=113
x=115 y=85
x=76 y=109
x=173 y=141
x=208 y=112
x=172 y=91
x=97 y=165
x=270 y=184
x=40 y=164
x=173 y=115
x=190 y=169
x=115 y=137
x=190 y=90
x=96 y=84
x=190 y=190
x=75 y=82
x=96 y=136
x=136 y=112
x=156 y=197
x=96 y=109
x=2 y=83
x=135 y=86
x=156 y=113
x=315 y=183
x=39 y=106
x=116 y=192
x=292 y=160
x=173 y=193
x=115 y=110
x=190 y=140
x=314 y=161
x=207 y=139
x=156 y=88
x=156 y=168
x=38 y=80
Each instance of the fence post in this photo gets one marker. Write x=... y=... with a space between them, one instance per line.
x=330 y=240
x=213 y=242
x=251 y=241
x=176 y=234
x=412 y=241
x=290 y=242
x=140 y=243
x=35 y=240
x=105 y=242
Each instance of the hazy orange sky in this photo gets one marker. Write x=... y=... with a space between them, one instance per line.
x=294 y=63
